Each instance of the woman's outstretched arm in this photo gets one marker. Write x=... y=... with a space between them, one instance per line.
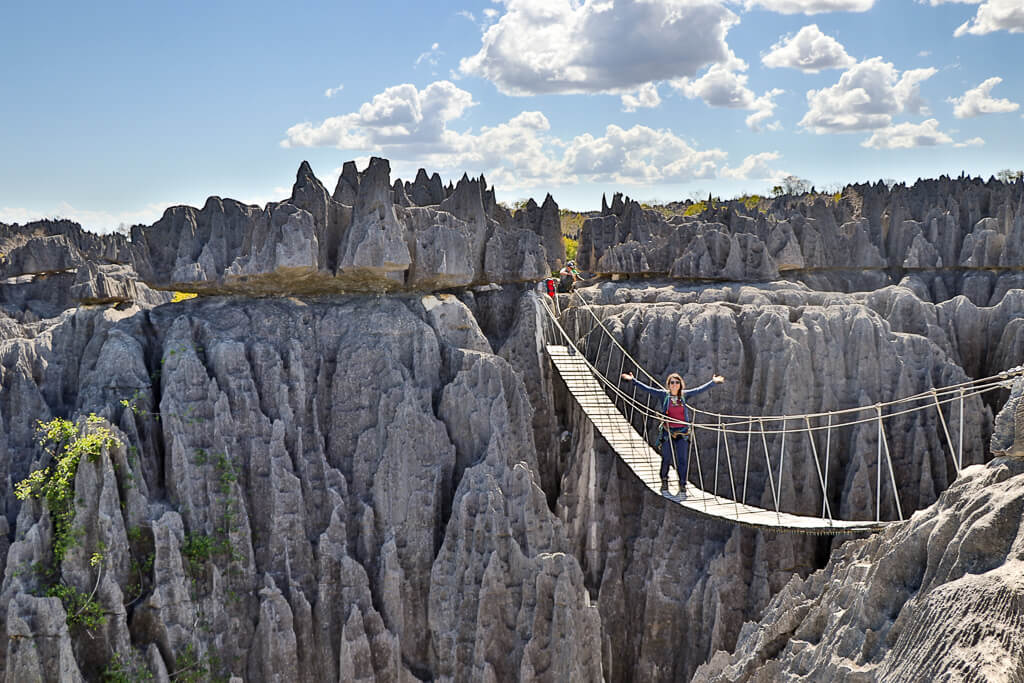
x=717 y=379
x=653 y=391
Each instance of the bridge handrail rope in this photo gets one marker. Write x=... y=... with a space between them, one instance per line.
x=955 y=391
x=775 y=488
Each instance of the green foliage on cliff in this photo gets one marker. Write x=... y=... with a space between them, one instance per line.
x=82 y=610
x=56 y=485
x=126 y=668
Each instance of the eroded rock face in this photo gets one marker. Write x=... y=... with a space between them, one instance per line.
x=309 y=472
x=934 y=224
x=43 y=247
x=370 y=235
x=1008 y=432
x=50 y=266
x=936 y=596
x=786 y=350
x=377 y=476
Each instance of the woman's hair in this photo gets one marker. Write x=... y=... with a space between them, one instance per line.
x=674 y=375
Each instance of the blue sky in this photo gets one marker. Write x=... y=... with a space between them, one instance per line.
x=113 y=111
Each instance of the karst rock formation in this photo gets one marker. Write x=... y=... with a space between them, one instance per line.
x=939 y=598
x=349 y=458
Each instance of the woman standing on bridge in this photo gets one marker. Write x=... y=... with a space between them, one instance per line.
x=674 y=440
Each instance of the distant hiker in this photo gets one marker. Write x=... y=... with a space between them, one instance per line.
x=567 y=277
x=674 y=438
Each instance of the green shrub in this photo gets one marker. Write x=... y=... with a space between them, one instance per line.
x=695 y=208
x=126 y=669
x=197 y=549
x=56 y=486
x=571 y=246
x=189 y=666
x=82 y=608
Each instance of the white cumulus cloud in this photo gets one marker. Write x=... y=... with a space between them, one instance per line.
x=809 y=50
x=401 y=114
x=764 y=108
x=646 y=97
x=978 y=101
x=994 y=15
x=639 y=155
x=419 y=128
x=908 y=135
x=516 y=153
x=973 y=142
x=756 y=167
x=567 y=46
x=866 y=97
x=810 y=6
x=722 y=85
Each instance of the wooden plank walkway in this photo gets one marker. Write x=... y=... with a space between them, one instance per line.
x=645 y=461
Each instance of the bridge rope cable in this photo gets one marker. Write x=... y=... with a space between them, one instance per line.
x=648 y=413
x=956 y=392
x=979 y=385
x=731 y=424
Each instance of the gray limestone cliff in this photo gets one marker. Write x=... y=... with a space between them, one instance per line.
x=938 y=597
x=351 y=475
x=865 y=236
x=367 y=236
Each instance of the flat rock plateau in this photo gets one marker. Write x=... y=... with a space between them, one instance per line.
x=349 y=459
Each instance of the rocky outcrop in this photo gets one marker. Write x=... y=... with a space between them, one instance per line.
x=545 y=221
x=424 y=191
x=31 y=298
x=369 y=235
x=287 y=472
x=51 y=246
x=939 y=595
x=945 y=223
x=1008 y=431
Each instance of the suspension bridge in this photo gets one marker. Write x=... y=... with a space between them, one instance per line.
x=590 y=361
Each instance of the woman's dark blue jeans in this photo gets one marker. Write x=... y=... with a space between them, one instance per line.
x=675 y=452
